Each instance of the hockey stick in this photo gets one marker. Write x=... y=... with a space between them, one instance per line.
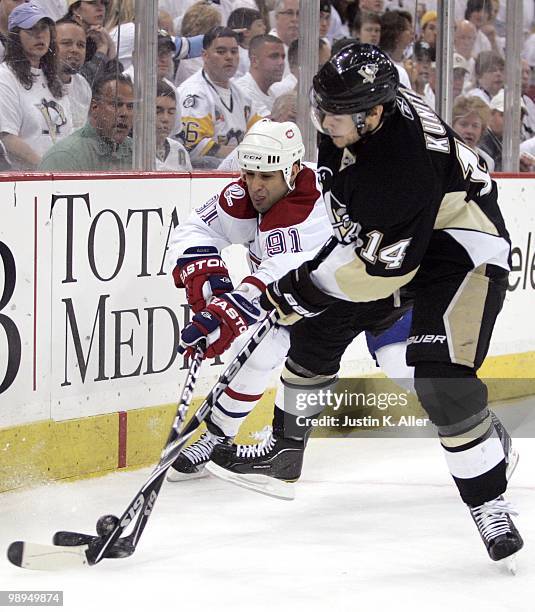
x=83 y=550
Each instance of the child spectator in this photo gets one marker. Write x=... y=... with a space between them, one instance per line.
x=34 y=113
x=489 y=68
x=367 y=28
x=170 y=154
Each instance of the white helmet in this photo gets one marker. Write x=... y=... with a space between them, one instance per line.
x=269 y=146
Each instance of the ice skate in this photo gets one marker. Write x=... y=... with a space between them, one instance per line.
x=269 y=467
x=497 y=530
x=191 y=462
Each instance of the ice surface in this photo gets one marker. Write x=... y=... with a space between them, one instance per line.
x=377 y=525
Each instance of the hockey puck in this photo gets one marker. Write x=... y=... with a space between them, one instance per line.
x=106 y=524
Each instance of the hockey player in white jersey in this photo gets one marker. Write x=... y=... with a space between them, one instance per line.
x=276 y=210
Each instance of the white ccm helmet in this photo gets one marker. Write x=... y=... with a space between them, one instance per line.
x=269 y=146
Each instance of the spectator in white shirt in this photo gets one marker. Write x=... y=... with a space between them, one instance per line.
x=200 y=18
x=286 y=25
x=71 y=44
x=170 y=154
x=267 y=56
x=489 y=69
x=478 y=13
x=247 y=23
x=34 y=113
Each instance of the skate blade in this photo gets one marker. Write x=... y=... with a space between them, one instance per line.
x=47 y=557
x=512 y=463
x=266 y=485
x=510 y=564
x=175 y=476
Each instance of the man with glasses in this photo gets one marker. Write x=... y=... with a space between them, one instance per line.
x=286 y=25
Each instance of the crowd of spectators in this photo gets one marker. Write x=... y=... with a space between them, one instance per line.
x=67 y=70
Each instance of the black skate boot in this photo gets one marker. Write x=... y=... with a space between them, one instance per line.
x=269 y=467
x=192 y=460
x=497 y=530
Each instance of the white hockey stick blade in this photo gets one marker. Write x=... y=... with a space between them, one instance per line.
x=255 y=482
x=175 y=476
x=47 y=556
x=510 y=564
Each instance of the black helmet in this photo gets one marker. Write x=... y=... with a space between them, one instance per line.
x=357 y=78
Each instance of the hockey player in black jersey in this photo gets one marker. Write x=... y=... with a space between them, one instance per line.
x=414 y=210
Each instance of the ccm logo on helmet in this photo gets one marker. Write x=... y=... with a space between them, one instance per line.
x=427 y=339
x=252 y=157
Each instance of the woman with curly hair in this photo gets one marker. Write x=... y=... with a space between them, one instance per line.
x=34 y=113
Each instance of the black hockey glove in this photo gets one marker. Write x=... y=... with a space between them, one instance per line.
x=295 y=296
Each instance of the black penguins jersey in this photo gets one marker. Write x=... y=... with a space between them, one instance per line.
x=410 y=198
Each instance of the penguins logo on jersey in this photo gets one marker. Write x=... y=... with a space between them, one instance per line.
x=368 y=73
x=54 y=116
x=190 y=101
x=345 y=229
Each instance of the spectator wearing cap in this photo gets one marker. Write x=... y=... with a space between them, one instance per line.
x=325 y=19
x=489 y=68
x=71 y=46
x=428 y=25
x=396 y=35
x=267 y=57
x=470 y=118
x=34 y=113
x=104 y=142
x=200 y=18
x=286 y=25
x=170 y=154
x=247 y=23
x=215 y=112
x=421 y=67
x=491 y=141
x=367 y=28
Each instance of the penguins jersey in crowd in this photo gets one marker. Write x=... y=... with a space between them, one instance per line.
x=213 y=116
x=410 y=193
x=287 y=235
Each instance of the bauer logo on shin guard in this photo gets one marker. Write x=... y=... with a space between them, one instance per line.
x=426 y=339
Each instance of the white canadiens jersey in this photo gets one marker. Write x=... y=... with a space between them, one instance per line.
x=290 y=233
x=208 y=119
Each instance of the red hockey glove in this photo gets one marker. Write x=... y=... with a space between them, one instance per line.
x=203 y=274
x=223 y=320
